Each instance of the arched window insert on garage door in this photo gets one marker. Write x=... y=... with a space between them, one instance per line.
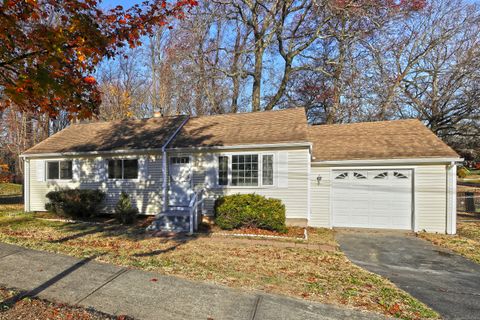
x=341 y=176
x=359 y=175
x=399 y=175
x=382 y=175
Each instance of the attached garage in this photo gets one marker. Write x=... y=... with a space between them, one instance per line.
x=382 y=175
x=372 y=199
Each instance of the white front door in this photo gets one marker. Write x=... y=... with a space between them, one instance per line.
x=180 y=177
x=372 y=199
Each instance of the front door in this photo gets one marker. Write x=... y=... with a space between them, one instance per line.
x=180 y=191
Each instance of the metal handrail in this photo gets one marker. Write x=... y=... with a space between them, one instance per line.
x=196 y=200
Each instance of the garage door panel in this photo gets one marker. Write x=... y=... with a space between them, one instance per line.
x=380 y=199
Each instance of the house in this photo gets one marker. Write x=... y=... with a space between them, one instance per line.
x=388 y=175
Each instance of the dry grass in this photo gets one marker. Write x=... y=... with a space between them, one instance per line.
x=466 y=242
x=7 y=189
x=305 y=273
x=27 y=308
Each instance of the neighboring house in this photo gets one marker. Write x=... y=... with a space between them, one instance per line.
x=389 y=175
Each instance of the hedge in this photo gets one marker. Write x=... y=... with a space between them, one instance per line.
x=75 y=203
x=250 y=211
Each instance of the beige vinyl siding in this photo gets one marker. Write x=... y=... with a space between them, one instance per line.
x=431 y=198
x=295 y=196
x=145 y=192
x=320 y=197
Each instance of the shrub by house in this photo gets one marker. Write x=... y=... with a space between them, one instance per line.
x=124 y=211
x=250 y=211
x=75 y=203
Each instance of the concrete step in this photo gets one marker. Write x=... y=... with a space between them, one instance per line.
x=169 y=222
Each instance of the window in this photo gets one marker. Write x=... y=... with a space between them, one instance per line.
x=61 y=170
x=342 y=176
x=222 y=170
x=382 y=175
x=399 y=175
x=359 y=175
x=179 y=160
x=123 y=169
x=267 y=169
x=245 y=170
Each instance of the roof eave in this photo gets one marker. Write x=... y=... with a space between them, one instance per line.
x=391 y=161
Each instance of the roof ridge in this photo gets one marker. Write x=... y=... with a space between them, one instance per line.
x=124 y=120
x=365 y=122
x=244 y=113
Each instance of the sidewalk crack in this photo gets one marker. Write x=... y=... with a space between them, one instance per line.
x=255 y=307
x=113 y=277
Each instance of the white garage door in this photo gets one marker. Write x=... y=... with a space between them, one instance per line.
x=372 y=199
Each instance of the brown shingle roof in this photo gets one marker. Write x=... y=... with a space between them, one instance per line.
x=108 y=136
x=376 y=140
x=267 y=127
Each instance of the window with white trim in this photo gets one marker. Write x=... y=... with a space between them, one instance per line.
x=267 y=169
x=179 y=160
x=245 y=170
x=222 y=170
x=123 y=169
x=59 y=170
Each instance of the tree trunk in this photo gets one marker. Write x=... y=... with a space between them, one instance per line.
x=257 y=75
x=283 y=85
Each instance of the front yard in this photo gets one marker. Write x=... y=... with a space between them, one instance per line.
x=309 y=273
x=466 y=242
x=8 y=189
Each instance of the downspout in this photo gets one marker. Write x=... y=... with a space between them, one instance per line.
x=26 y=184
x=164 y=164
x=452 y=198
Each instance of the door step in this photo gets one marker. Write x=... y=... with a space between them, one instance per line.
x=170 y=222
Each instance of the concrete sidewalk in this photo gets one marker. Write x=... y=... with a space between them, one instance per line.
x=144 y=295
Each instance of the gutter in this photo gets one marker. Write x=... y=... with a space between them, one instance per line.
x=164 y=163
x=387 y=161
x=87 y=153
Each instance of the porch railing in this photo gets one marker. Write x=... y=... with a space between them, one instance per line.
x=196 y=204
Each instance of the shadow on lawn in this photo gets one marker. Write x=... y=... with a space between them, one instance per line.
x=129 y=233
x=178 y=240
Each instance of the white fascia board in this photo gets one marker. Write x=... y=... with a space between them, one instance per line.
x=246 y=146
x=89 y=153
x=386 y=161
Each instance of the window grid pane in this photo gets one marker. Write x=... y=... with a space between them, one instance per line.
x=267 y=170
x=130 y=169
x=65 y=170
x=245 y=170
x=114 y=169
x=222 y=170
x=52 y=170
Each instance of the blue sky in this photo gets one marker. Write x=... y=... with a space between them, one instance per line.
x=113 y=3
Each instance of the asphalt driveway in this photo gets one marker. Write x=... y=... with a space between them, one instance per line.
x=446 y=282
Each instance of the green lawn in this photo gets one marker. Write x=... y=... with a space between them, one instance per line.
x=319 y=275
x=7 y=189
